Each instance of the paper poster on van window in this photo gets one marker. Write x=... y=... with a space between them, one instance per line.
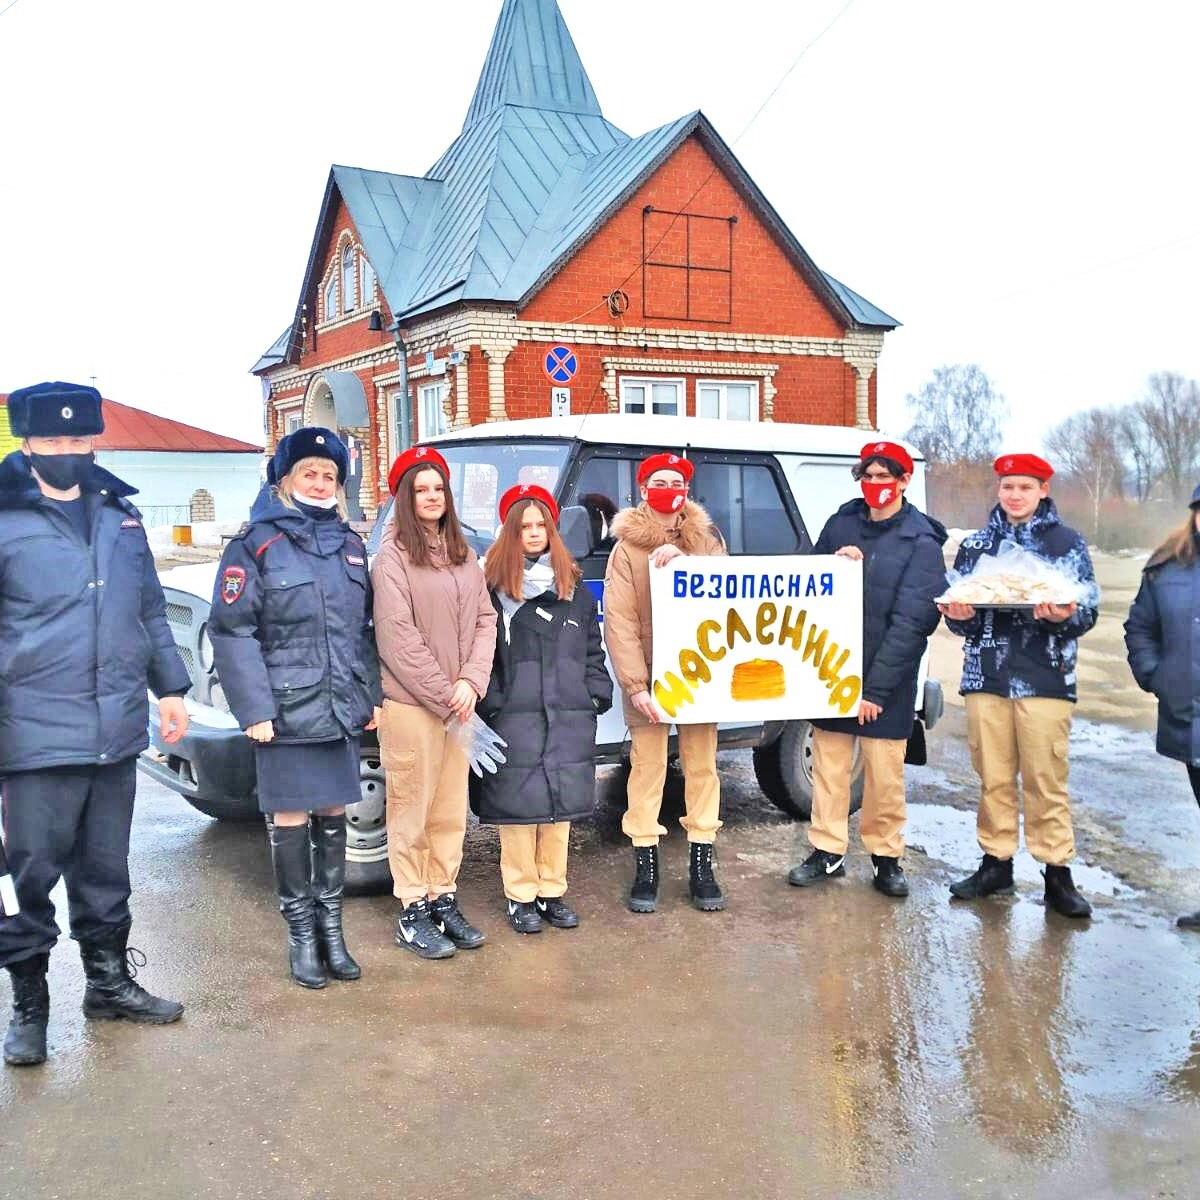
x=757 y=638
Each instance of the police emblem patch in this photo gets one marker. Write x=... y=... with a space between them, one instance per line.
x=233 y=583
x=131 y=523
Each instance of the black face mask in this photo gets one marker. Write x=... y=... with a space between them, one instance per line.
x=62 y=471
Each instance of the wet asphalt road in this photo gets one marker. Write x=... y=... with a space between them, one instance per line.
x=826 y=1043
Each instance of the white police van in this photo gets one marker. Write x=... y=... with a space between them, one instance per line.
x=768 y=487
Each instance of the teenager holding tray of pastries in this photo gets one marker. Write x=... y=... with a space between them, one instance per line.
x=903 y=571
x=665 y=525
x=1019 y=684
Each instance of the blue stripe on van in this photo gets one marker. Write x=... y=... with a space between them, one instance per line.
x=596 y=587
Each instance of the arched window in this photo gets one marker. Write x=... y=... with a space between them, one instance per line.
x=349 y=281
x=329 y=299
x=368 y=282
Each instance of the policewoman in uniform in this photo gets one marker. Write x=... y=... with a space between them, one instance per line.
x=548 y=684
x=1018 y=682
x=294 y=647
x=83 y=632
x=437 y=634
x=665 y=525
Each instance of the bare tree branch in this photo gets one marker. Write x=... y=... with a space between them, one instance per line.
x=957 y=416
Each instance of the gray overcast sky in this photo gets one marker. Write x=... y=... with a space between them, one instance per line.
x=1015 y=182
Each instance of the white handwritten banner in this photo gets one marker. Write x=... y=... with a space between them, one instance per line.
x=757 y=638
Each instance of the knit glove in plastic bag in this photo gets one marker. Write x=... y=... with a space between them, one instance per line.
x=480 y=743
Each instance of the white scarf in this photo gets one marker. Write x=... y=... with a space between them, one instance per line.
x=537 y=579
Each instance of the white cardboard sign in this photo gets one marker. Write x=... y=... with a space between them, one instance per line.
x=757 y=638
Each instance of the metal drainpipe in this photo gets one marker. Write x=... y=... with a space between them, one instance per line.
x=405 y=406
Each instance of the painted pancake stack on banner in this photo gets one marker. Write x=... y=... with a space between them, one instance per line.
x=757 y=638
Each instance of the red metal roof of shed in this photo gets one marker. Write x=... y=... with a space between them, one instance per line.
x=127 y=428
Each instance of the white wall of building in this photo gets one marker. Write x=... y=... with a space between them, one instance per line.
x=167 y=479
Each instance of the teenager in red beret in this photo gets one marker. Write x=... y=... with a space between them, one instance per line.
x=548 y=685
x=665 y=525
x=436 y=631
x=903 y=574
x=1019 y=686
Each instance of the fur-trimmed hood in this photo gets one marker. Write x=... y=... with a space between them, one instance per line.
x=693 y=533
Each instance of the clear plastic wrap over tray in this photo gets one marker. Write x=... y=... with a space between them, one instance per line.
x=480 y=742
x=1017 y=578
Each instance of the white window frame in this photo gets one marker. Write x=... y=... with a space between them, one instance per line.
x=429 y=394
x=347 y=264
x=648 y=382
x=723 y=396
x=293 y=419
x=329 y=298
x=366 y=281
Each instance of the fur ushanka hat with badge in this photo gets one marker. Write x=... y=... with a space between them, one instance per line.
x=55 y=410
x=313 y=441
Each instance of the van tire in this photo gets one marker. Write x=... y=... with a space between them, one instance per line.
x=784 y=772
x=367 y=869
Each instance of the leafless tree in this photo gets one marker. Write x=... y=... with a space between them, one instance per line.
x=1139 y=450
x=1170 y=412
x=957 y=416
x=1086 y=446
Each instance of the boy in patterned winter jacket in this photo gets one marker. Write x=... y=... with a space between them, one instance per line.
x=1019 y=685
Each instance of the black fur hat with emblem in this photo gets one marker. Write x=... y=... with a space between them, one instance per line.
x=314 y=441
x=55 y=410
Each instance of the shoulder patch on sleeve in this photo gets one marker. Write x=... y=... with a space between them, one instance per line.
x=131 y=523
x=233 y=584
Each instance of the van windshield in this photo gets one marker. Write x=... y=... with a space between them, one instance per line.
x=480 y=473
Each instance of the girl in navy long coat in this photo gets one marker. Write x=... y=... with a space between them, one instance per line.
x=1162 y=636
x=294 y=645
x=548 y=685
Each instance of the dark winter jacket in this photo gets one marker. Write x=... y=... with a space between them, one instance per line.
x=83 y=628
x=903 y=570
x=548 y=684
x=1007 y=652
x=1162 y=635
x=291 y=626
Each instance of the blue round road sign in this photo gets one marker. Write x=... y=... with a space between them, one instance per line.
x=561 y=364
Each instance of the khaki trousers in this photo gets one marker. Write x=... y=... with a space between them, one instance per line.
x=1027 y=737
x=426 y=801
x=701 y=784
x=533 y=860
x=883 y=811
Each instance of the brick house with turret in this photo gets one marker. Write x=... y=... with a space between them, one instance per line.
x=433 y=302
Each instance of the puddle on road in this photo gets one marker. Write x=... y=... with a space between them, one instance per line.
x=948 y=834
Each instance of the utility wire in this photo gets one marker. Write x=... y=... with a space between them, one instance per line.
x=7 y=7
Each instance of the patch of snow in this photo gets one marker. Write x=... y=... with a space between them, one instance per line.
x=204 y=533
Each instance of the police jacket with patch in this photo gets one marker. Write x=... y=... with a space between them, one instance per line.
x=548 y=684
x=1007 y=652
x=903 y=571
x=291 y=629
x=1162 y=636
x=83 y=626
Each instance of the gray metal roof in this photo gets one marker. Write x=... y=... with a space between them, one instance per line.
x=534 y=172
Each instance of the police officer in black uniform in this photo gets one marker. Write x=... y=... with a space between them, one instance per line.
x=83 y=631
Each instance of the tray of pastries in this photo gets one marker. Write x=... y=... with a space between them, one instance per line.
x=1005 y=590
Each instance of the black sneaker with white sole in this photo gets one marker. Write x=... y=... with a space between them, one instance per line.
x=449 y=919
x=557 y=912
x=819 y=866
x=416 y=931
x=523 y=916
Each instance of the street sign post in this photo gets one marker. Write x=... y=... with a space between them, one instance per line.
x=561 y=364
x=560 y=402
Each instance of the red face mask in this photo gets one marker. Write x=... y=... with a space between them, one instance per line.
x=881 y=494
x=666 y=500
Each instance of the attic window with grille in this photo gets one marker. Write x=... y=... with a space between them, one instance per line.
x=687 y=266
x=329 y=308
x=349 y=280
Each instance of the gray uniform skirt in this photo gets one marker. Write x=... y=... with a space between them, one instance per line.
x=295 y=777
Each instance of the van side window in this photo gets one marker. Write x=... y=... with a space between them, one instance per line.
x=604 y=487
x=745 y=503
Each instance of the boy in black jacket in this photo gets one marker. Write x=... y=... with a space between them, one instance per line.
x=903 y=571
x=1019 y=684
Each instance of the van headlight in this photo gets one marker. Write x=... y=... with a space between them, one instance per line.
x=206 y=650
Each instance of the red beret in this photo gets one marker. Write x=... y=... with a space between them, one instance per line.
x=1023 y=464
x=892 y=450
x=527 y=491
x=415 y=456
x=665 y=462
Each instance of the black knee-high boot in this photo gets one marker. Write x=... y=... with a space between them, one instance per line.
x=329 y=882
x=292 y=856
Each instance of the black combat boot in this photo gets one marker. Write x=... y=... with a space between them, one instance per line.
x=416 y=931
x=329 y=883
x=643 y=893
x=524 y=917
x=816 y=868
x=449 y=919
x=292 y=856
x=557 y=912
x=1061 y=894
x=889 y=876
x=110 y=965
x=25 y=1044
x=703 y=887
x=993 y=877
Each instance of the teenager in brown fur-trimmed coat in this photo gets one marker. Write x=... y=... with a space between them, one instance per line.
x=665 y=525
